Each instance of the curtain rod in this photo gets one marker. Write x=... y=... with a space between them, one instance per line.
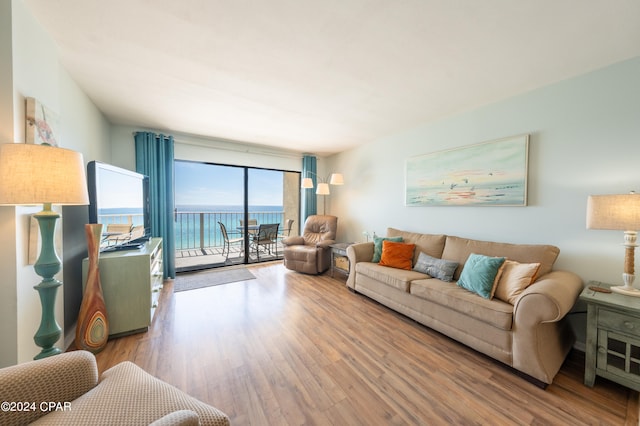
x=239 y=147
x=232 y=146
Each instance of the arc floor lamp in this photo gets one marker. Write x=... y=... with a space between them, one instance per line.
x=323 y=185
x=43 y=174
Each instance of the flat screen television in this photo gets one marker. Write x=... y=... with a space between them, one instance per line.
x=119 y=200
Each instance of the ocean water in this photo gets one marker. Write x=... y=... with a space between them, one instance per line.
x=121 y=215
x=197 y=225
x=507 y=193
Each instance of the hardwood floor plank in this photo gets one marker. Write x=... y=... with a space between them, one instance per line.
x=292 y=349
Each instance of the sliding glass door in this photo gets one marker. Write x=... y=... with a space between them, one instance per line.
x=228 y=215
x=273 y=202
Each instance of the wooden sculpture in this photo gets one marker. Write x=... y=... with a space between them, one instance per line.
x=92 y=331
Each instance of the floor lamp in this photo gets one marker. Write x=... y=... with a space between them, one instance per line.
x=42 y=174
x=622 y=213
x=323 y=186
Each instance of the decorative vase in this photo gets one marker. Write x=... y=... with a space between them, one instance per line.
x=92 y=331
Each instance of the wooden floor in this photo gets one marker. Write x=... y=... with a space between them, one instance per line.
x=291 y=349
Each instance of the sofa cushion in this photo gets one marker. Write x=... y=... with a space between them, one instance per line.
x=495 y=312
x=377 y=246
x=398 y=278
x=425 y=243
x=397 y=255
x=479 y=274
x=437 y=268
x=459 y=249
x=514 y=279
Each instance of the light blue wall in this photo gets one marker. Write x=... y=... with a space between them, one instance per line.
x=585 y=139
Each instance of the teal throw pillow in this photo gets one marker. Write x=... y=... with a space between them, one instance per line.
x=479 y=273
x=377 y=246
x=437 y=268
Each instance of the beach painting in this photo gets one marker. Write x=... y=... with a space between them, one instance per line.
x=486 y=174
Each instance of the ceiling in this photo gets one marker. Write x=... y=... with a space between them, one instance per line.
x=323 y=76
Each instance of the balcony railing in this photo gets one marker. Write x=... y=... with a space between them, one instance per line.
x=201 y=230
x=119 y=219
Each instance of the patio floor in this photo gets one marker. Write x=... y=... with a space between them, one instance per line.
x=193 y=258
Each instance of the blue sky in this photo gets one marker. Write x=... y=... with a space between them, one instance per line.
x=118 y=190
x=206 y=184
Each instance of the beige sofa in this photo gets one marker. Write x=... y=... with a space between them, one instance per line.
x=531 y=335
x=64 y=390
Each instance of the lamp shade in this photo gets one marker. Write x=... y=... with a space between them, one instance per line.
x=619 y=212
x=40 y=174
x=307 y=183
x=323 y=189
x=336 y=179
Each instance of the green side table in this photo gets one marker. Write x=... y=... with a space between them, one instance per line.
x=613 y=337
x=339 y=259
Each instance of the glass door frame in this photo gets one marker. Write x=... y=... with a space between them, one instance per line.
x=246 y=213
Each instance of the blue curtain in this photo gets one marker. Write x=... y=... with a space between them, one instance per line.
x=309 y=204
x=154 y=158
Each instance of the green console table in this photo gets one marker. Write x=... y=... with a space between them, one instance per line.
x=131 y=282
x=613 y=337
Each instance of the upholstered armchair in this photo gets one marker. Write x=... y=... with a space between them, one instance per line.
x=65 y=390
x=310 y=253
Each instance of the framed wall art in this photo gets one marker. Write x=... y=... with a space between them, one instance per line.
x=486 y=174
x=42 y=123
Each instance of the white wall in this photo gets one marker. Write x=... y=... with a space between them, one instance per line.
x=206 y=150
x=8 y=296
x=585 y=139
x=36 y=72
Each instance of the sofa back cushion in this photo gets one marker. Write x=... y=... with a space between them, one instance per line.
x=458 y=249
x=425 y=243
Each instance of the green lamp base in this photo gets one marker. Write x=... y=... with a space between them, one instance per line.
x=49 y=331
x=47 y=265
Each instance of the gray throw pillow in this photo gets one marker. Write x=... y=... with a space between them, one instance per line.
x=437 y=268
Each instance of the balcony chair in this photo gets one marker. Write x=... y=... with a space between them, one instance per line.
x=65 y=390
x=118 y=232
x=250 y=222
x=286 y=231
x=267 y=236
x=228 y=241
x=310 y=253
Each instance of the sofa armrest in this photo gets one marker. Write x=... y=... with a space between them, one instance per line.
x=178 y=418
x=540 y=344
x=550 y=298
x=61 y=378
x=293 y=241
x=359 y=252
x=325 y=243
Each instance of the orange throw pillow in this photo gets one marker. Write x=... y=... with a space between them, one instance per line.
x=397 y=255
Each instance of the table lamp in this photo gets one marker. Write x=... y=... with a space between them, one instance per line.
x=43 y=174
x=618 y=212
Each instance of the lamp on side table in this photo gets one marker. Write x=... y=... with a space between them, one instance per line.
x=42 y=174
x=618 y=212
